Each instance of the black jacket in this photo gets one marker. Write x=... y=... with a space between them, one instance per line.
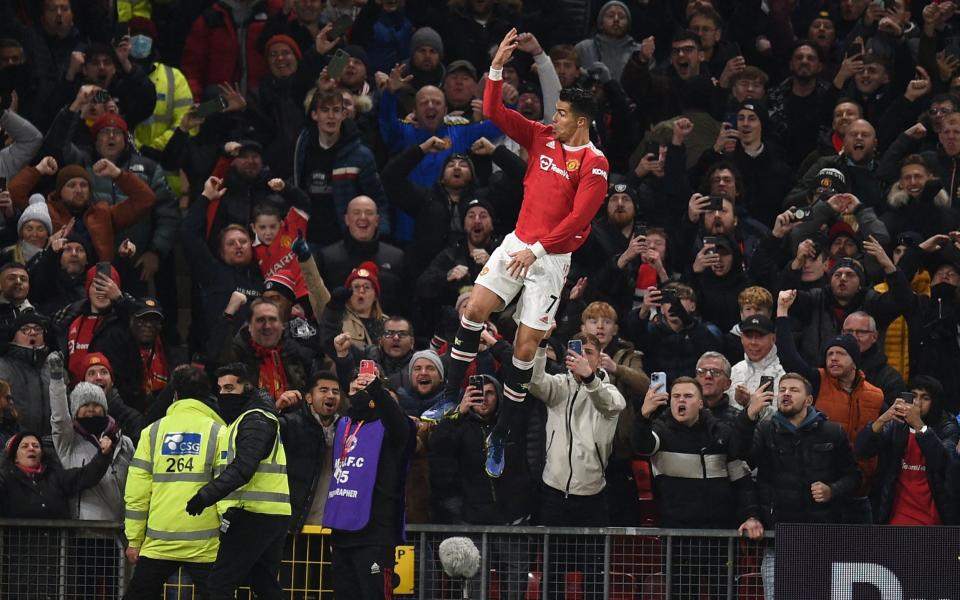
x=52 y=288
x=298 y=363
x=304 y=443
x=938 y=445
x=337 y=260
x=719 y=493
x=874 y=365
x=432 y=285
x=788 y=460
x=255 y=436
x=48 y=495
x=486 y=500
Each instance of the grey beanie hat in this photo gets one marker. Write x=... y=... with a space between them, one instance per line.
x=36 y=210
x=87 y=393
x=427 y=36
x=607 y=6
x=429 y=355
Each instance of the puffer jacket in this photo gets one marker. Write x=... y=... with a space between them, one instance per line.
x=26 y=371
x=581 y=423
x=698 y=481
x=938 y=445
x=104 y=501
x=788 y=459
x=896 y=340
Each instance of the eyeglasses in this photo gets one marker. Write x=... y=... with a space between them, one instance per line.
x=684 y=50
x=933 y=112
x=362 y=287
x=710 y=372
x=857 y=332
x=396 y=334
x=31 y=329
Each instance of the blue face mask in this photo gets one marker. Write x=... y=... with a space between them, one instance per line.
x=140 y=46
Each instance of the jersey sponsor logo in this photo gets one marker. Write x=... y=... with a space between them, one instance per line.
x=547 y=164
x=573 y=164
x=599 y=172
x=180 y=444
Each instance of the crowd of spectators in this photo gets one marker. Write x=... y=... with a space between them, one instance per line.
x=780 y=246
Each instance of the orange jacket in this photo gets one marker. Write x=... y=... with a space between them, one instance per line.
x=852 y=411
x=101 y=220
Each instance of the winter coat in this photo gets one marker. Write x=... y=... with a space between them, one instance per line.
x=862 y=180
x=104 y=501
x=878 y=371
x=26 y=371
x=26 y=141
x=216 y=279
x=213 y=53
x=698 y=481
x=336 y=261
x=938 y=445
x=748 y=373
x=486 y=501
x=305 y=444
x=581 y=423
x=432 y=286
x=928 y=215
x=385 y=35
x=354 y=174
x=46 y=496
x=676 y=352
x=102 y=222
x=52 y=288
x=789 y=459
x=297 y=361
x=612 y=52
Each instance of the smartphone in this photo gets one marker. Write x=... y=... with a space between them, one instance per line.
x=341 y=26
x=639 y=229
x=368 y=367
x=716 y=202
x=855 y=49
x=668 y=297
x=710 y=239
x=731 y=120
x=205 y=109
x=575 y=346
x=476 y=381
x=659 y=378
x=104 y=268
x=338 y=63
x=907 y=397
x=768 y=381
x=652 y=147
x=101 y=97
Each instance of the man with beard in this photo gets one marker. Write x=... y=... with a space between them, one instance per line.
x=423 y=68
x=154 y=234
x=799 y=105
x=333 y=166
x=857 y=163
x=805 y=467
x=23 y=368
x=830 y=140
x=362 y=243
x=943 y=161
x=112 y=70
x=14 y=289
x=365 y=505
x=72 y=199
x=425 y=388
x=146 y=324
x=461 y=262
x=251 y=490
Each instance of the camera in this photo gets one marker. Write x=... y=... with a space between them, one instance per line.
x=801 y=214
x=101 y=97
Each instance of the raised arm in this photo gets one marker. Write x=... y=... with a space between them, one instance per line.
x=512 y=123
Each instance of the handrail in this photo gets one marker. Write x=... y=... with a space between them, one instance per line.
x=60 y=523
x=541 y=530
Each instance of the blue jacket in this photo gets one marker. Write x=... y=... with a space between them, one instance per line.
x=354 y=173
x=399 y=135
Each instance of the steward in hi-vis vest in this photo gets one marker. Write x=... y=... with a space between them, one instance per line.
x=174 y=459
x=250 y=489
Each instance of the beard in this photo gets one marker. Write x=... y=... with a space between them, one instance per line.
x=620 y=219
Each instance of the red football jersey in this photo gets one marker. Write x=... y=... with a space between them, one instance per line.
x=564 y=185
x=278 y=257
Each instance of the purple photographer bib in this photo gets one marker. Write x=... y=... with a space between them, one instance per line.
x=356 y=454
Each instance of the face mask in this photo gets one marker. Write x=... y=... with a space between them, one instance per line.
x=140 y=46
x=231 y=405
x=93 y=425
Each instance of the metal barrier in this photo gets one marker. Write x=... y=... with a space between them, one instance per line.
x=84 y=559
x=50 y=559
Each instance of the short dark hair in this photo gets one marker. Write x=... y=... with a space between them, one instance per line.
x=946 y=97
x=684 y=35
x=266 y=209
x=720 y=166
x=807 y=386
x=321 y=376
x=916 y=159
x=324 y=97
x=816 y=49
x=238 y=370
x=395 y=318
x=708 y=12
x=188 y=381
x=581 y=101
x=930 y=385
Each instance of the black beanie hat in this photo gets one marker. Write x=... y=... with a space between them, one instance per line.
x=848 y=343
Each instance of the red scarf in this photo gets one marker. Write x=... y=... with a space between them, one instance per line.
x=79 y=337
x=836 y=141
x=31 y=472
x=155 y=368
x=273 y=377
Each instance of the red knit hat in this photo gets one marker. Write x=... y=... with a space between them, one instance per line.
x=79 y=368
x=284 y=39
x=365 y=270
x=92 y=272
x=108 y=120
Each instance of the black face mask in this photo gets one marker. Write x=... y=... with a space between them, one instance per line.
x=359 y=403
x=231 y=406
x=94 y=425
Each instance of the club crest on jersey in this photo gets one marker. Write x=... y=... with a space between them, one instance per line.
x=573 y=164
x=547 y=164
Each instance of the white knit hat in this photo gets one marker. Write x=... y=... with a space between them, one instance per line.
x=87 y=393
x=36 y=210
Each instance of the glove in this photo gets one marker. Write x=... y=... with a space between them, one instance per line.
x=55 y=365
x=599 y=71
x=339 y=298
x=301 y=248
x=195 y=505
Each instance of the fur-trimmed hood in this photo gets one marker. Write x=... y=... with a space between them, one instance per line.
x=897 y=197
